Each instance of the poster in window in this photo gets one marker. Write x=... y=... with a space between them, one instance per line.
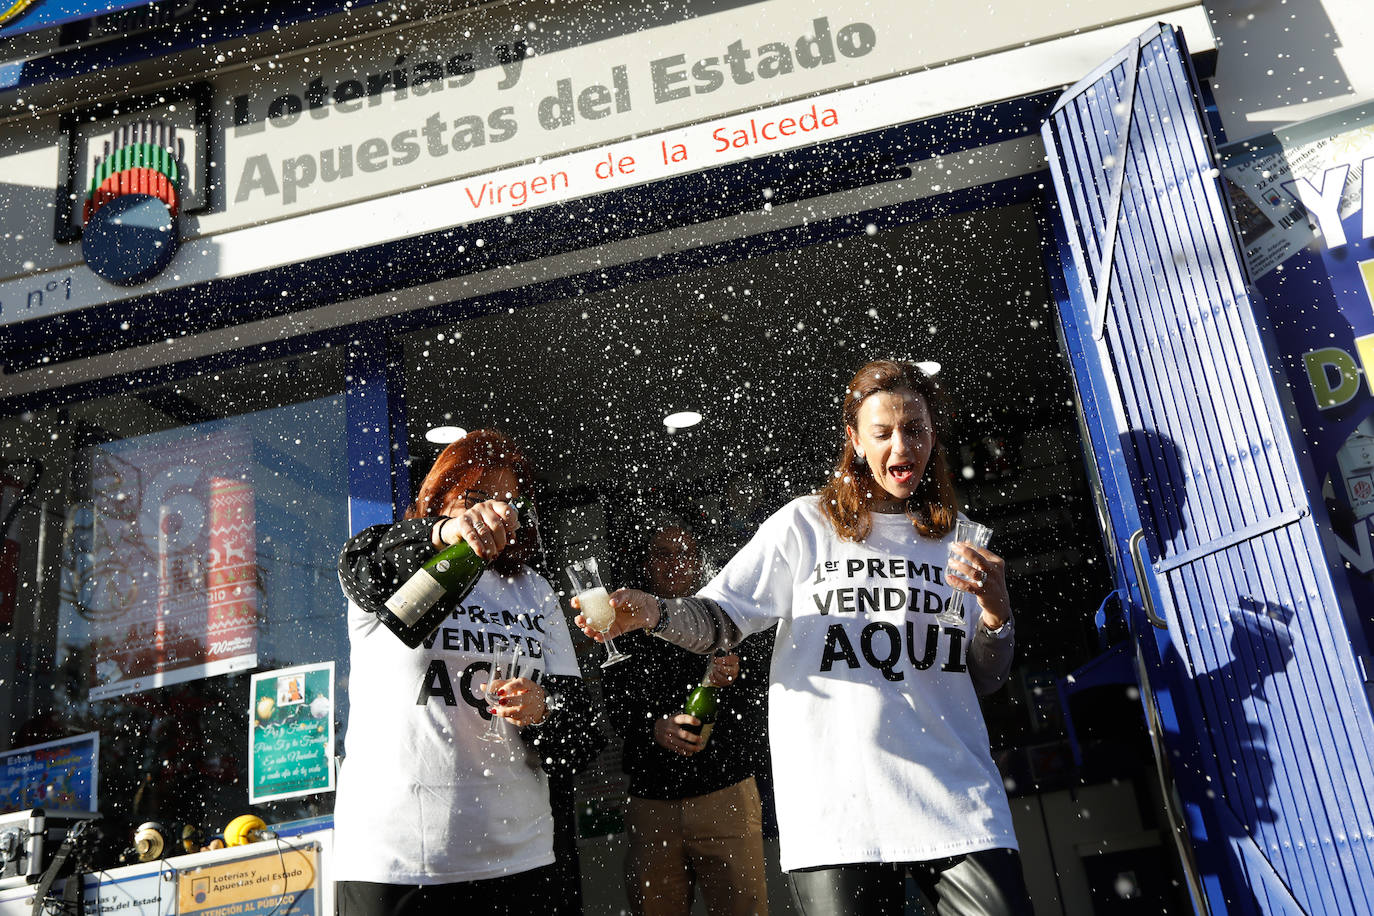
x=160 y=569
x=291 y=732
x=58 y=776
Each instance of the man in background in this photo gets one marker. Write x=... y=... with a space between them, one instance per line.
x=694 y=817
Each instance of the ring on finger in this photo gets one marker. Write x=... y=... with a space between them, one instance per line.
x=478 y=527
x=982 y=577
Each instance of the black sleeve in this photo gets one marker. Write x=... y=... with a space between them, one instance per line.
x=641 y=690
x=376 y=561
x=567 y=740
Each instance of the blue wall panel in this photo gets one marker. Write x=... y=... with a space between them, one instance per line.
x=378 y=463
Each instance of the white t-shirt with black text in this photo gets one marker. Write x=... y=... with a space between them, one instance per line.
x=421 y=799
x=880 y=753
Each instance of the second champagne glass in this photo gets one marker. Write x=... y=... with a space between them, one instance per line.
x=595 y=603
x=505 y=665
x=977 y=535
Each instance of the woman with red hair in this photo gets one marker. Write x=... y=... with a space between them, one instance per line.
x=881 y=764
x=429 y=818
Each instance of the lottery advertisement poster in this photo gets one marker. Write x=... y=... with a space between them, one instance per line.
x=160 y=572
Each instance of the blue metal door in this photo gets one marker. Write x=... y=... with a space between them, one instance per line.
x=1246 y=667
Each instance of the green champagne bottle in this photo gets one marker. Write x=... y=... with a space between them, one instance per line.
x=701 y=703
x=414 y=611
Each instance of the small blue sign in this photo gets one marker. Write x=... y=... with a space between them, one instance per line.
x=59 y=776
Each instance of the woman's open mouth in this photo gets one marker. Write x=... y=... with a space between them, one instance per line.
x=900 y=473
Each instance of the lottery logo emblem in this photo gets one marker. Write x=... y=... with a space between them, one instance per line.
x=133 y=202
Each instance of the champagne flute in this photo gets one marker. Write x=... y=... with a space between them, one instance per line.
x=594 y=603
x=977 y=535
x=504 y=664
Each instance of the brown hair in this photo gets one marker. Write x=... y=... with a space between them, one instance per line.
x=932 y=508
x=460 y=465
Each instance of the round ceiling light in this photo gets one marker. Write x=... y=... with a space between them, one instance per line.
x=681 y=420
x=443 y=435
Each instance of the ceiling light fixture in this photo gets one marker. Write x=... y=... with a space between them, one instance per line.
x=443 y=435
x=681 y=420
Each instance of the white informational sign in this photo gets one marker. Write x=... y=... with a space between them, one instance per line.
x=131 y=890
x=17 y=901
x=488 y=112
x=1300 y=181
x=281 y=877
x=134 y=890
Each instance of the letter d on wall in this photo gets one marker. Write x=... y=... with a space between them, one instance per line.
x=1318 y=363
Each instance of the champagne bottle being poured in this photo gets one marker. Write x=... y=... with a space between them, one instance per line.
x=415 y=611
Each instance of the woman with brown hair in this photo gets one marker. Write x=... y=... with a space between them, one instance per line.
x=430 y=818
x=881 y=763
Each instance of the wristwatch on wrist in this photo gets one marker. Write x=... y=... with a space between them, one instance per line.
x=662 y=618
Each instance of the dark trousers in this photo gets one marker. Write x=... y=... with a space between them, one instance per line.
x=526 y=893
x=984 y=883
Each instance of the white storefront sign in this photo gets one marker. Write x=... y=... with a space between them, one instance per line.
x=435 y=126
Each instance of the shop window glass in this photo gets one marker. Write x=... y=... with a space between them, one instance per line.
x=161 y=544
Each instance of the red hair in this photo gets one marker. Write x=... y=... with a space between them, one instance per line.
x=460 y=465
x=462 y=462
x=933 y=507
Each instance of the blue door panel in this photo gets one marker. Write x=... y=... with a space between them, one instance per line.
x=1267 y=754
x=1191 y=771
x=1213 y=287
x=1211 y=510
x=1273 y=732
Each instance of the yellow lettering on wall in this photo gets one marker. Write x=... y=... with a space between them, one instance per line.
x=1326 y=394
x=1364 y=349
x=1367 y=271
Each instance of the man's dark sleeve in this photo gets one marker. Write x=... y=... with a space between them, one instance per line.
x=756 y=659
x=640 y=690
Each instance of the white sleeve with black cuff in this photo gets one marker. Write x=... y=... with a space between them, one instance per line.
x=698 y=625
